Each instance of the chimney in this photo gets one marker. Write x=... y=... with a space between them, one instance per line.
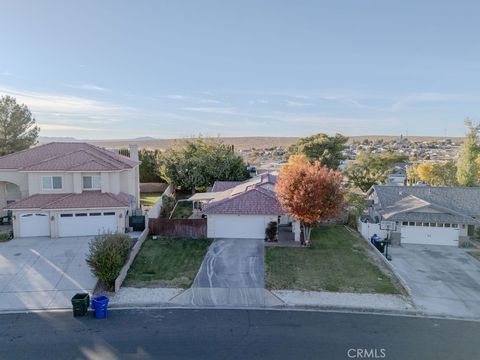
x=133 y=151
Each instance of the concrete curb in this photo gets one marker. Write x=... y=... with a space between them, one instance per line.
x=329 y=309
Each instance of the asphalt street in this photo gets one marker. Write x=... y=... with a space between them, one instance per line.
x=234 y=334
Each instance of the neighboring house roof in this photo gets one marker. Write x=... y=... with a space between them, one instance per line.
x=429 y=204
x=64 y=156
x=255 y=196
x=85 y=200
x=224 y=185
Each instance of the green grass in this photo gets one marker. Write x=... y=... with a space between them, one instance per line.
x=4 y=237
x=167 y=263
x=183 y=210
x=476 y=255
x=149 y=199
x=336 y=261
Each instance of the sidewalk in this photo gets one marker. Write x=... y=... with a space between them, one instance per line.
x=364 y=302
x=133 y=297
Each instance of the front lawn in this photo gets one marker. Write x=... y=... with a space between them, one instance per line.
x=336 y=261
x=183 y=210
x=167 y=263
x=149 y=199
x=475 y=254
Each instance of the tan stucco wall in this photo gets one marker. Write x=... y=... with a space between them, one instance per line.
x=19 y=179
x=35 y=183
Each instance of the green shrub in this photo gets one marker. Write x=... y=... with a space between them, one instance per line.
x=4 y=237
x=168 y=203
x=271 y=231
x=107 y=254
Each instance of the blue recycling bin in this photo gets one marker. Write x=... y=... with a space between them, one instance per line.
x=100 y=306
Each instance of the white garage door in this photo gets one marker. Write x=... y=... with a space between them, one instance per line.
x=34 y=224
x=233 y=226
x=86 y=223
x=429 y=235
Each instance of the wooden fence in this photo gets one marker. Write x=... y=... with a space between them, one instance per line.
x=193 y=228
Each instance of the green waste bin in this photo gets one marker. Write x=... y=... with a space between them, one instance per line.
x=80 y=304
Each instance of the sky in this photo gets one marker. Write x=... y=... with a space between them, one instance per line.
x=125 y=69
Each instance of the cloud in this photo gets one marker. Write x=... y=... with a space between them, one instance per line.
x=49 y=103
x=64 y=127
x=214 y=110
x=188 y=98
x=296 y=103
x=258 y=101
x=431 y=97
x=86 y=86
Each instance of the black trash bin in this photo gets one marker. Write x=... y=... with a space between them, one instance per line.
x=80 y=304
x=378 y=242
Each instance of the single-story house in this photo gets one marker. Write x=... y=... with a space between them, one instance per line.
x=242 y=209
x=425 y=214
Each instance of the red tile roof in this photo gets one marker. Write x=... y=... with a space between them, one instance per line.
x=254 y=201
x=85 y=200
x=63 y=156
x=224 y=185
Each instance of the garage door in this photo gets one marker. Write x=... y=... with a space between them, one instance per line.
x=34 y=224
x=233 y=226
x=429 y=235
x=86 y=223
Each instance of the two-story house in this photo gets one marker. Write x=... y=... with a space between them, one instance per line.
x=69 y=189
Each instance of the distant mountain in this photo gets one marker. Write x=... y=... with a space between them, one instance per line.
x=49 y=139
x=144 y=138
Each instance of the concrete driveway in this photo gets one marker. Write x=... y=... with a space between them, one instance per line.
x=444 y=280
x=232 y=274
x=43 y=273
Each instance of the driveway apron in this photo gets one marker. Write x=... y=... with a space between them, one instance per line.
x=43 y=273
x=444 y=280
x=232 y=274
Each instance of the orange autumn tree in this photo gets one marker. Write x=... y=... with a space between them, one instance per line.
x=309 y=192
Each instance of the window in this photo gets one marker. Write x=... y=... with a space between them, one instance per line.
x=455 y=226
x=109 y=214
x=51 y=182
x=439 y=224
x=95 y=214
x=66 y=215
x=411 y=223
x=81 y=214
x=447 y=225
x=405 y=223
x=91 y=182
x=426 y=224
x=433 y=224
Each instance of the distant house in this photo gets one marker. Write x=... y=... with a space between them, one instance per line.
x=425 y=214
x=398 y=176
x=69 y=189
x=242 y=209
